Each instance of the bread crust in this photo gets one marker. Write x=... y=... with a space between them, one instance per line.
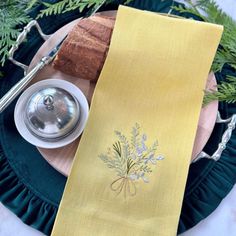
x=84 y=51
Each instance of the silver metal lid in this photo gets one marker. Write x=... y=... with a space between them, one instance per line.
x=52 y=113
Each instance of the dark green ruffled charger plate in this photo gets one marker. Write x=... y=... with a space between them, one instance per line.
x=32 y=189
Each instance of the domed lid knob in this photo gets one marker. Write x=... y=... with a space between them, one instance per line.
x=52 y=113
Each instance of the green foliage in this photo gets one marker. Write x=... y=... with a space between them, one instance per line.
x=64 y=6
x=33 y=3
x=226 y=92
x=209 y=11
x=68 y=5
x=12 y=14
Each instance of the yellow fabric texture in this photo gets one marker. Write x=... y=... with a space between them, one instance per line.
x=151 y=88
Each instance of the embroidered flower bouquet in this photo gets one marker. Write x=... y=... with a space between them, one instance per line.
x=132 y=160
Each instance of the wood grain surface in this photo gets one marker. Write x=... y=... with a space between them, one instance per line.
x=61 y=158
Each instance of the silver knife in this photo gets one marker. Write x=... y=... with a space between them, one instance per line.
x=6 y=100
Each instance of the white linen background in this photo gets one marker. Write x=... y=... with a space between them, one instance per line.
x=222 y=222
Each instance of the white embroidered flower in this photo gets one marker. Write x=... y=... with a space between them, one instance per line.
x=144 y=137
x=160 y=157
x=132 y=160
x=133 y=156
x=137 y=176
x=139 y=151
x=153 y=160
x=144 y=147
x=133 y=176
x=143 y=177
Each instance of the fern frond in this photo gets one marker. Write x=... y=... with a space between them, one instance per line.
x=53 y=9
x=12 y=14
x=64 y=6
x=209 y=11
x=191 y=9
x=226 y=92
x=222 y=57
x=33 y=3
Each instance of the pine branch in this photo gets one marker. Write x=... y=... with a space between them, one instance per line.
x=210 y=12
x=64 y=6
x=226 y=54
x=191 y=9
x=223 y=57
x=53 y=9
x=33 y=3
x=226 y=92
x=12 y=16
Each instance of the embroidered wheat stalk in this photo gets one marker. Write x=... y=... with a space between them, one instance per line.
x=131 y=160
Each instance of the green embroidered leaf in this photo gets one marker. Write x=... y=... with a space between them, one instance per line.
x=112 y=164
x=117 y=148
x=125 y=145
x=145 y=169
x=134 y=138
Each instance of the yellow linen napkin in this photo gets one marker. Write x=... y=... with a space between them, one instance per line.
x=130 y=169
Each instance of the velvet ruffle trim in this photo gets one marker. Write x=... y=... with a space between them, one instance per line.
x=23 y=202
x=211 y=188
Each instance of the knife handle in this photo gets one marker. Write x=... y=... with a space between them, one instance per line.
x=18 y=87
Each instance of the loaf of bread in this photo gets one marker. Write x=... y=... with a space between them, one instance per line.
x=84 y=51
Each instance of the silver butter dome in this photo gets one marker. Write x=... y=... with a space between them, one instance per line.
x=51 y=113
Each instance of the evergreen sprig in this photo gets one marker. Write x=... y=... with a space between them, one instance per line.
x=64 y=6
x=13 y=14
x=226 y=92
x=208 y=11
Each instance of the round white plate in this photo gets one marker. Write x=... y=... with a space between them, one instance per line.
x=20 y=107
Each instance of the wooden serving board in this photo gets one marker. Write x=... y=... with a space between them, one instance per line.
x=61 y=158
